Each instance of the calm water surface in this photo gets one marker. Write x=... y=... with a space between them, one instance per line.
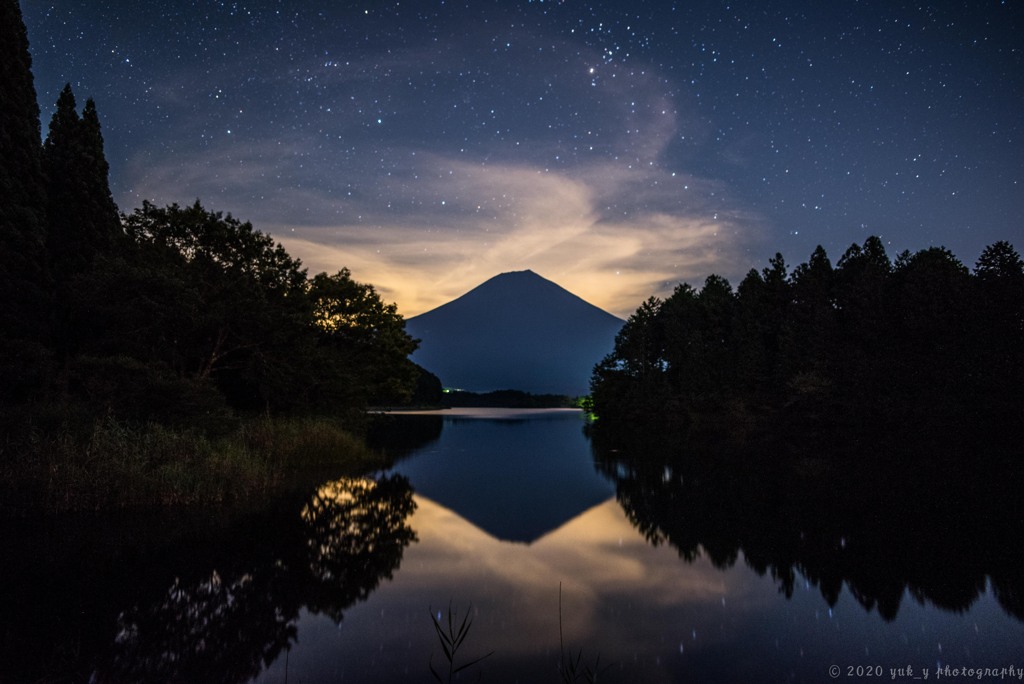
x=511 y=509
x=652 y=571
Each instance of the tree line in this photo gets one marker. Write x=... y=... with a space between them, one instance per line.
x=176 y=314
x=916 y=340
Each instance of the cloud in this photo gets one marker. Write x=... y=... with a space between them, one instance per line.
x=612 y=237
x=544 y=166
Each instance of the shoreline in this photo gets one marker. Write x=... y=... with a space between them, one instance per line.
x=479 y=412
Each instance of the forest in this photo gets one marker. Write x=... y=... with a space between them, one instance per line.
x=912 y=343
x=165 y=320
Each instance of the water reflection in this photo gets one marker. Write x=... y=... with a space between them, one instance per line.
x=193 y=599
x=516 y=473
x=622 y=599
x=676 y=564
x=710 y=567
x=357 y=530
x=649 y=615
x=884 y=519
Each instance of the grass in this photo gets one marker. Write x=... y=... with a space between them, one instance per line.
x=570 y=668
x=451 y=639
x=117 y=465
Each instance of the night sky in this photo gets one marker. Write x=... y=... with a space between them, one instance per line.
x=616 y=148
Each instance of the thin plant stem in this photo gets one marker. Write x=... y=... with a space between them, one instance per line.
x=451 y=639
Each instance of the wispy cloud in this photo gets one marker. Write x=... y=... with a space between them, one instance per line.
x=609 y=251
x=583 y=196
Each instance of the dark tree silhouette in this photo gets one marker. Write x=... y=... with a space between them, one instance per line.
x=365 y=340
x=83 y=218
x=218 y=301
x=24 y=278
x=84 y=236
x=918 y=342
x=998 y=305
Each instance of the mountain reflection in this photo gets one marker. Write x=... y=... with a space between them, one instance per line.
x=884 y=517
x=487 y=463
x=219 y=603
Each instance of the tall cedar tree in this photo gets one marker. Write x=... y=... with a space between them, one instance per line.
x=24 y=281
x=85 y=234
x=23 y=274
x=83 y=218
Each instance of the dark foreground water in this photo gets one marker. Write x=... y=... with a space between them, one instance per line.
x=642 y=566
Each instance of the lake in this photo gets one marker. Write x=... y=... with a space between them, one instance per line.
x=640 y=565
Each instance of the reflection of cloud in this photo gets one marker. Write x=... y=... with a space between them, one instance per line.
x=601 y=561
x=621 y=598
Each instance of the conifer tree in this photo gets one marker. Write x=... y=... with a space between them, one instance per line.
x=25 y=289
x=23 y=275
x=59 y=156
x=83 y=218
x=102 y=212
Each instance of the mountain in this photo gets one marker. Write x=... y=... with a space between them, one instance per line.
x=515 y=331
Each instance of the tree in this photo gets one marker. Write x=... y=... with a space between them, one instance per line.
x=84 y=230
x=918 y=342
x=23 y=274
x=814 y=312
x=765 y=330
x=25 y=301
x=1000 y=276
x=630 y=380
x=83 y=219
x=1000 y=261
x=365 y=340
x=862 y=315
x=681 y=320
x=716 y=347
x=928 y=337
x=99 y=211
x=999 y=325
x=219 y=301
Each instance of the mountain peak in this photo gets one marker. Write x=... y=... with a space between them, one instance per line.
x=516 y=330
x=517 y=277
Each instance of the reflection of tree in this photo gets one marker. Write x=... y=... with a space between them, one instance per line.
x=400 y=435
x=887 y=517
x=1010 y=592
x=217 y=604
x=358 y=532
x=217 y=627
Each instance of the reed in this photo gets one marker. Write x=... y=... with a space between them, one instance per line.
x=305 y=442
x=570 y=668
x=451 y=639
x=116 y=465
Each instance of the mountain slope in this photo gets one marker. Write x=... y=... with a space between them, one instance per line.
x=515 y=331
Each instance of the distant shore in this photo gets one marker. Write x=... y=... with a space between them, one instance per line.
x=486 y=412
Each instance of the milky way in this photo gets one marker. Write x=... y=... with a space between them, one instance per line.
x=616 y=148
